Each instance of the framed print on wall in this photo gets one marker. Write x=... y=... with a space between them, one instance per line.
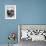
x=10 y=11
x=32 y=32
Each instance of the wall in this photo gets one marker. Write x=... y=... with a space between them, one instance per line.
x=27 y=12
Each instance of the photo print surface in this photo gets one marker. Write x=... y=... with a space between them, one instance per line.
x=10 y=11
x=32 y=32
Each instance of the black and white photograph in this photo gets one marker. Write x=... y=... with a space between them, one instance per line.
x=10 y=11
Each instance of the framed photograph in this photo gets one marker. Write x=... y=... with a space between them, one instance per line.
x=31 y=32
x=10 y=11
